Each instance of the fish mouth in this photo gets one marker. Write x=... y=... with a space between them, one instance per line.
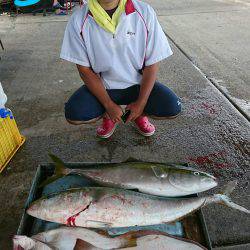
x=194 y=184
x=31 y=210
x=17 y=237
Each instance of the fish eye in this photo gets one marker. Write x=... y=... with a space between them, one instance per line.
x=196 y=173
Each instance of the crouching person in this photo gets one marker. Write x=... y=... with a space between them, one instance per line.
x=117 y=46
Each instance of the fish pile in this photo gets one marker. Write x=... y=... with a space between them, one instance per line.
x=117 y=204
x=65 y=238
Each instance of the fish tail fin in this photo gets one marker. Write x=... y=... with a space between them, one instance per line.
x=224 y=198
x=230 y=187
x=60 y=170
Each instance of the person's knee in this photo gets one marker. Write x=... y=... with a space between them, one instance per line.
x=176 y=109
x=76 y=116
x=71 y=113
x=171 y=111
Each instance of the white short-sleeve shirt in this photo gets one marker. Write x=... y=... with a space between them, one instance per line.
x=138 y=41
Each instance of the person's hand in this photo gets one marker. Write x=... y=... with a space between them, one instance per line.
x=136 y=109
x=114 y=111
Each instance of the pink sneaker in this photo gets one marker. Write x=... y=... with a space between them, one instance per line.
x=144 y=126
x=107 y=128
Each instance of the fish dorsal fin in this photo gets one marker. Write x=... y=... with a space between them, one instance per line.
x=59 y=164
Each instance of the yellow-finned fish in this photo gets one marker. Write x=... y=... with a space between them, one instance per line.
x=152 y=178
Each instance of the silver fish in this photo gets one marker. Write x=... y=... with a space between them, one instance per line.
x=151 y=178
x=65 y=238
x=22 y=242
x=99 y=207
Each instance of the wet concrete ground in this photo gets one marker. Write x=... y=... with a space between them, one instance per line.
x=215 y=36
x=210 y=133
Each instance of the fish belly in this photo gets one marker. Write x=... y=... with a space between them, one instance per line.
x=123 y=210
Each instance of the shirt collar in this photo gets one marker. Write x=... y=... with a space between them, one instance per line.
x=129 y=7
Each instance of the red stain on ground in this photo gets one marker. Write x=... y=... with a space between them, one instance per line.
x=216 y=159
x=209 y=107
x=201 y=160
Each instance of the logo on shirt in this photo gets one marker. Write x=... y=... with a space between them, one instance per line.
x=130 y=33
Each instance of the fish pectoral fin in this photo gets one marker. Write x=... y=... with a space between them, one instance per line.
x=94 y=223
x=159 y=172
x=97 y=195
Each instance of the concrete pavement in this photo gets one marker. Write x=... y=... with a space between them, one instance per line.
x=235 y=247
x=210 y=133
x=215 y=35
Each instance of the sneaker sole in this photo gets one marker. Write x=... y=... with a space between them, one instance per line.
x=144 y=134
x=109 y=134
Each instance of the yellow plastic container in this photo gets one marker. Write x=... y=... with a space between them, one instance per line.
x=10 y=140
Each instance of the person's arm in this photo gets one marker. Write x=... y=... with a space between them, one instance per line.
x=157 y=49
x=74 y=50
x=95 y=86
x=147 y=84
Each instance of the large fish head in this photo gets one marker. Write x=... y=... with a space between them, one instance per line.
x=191 y=181
x=23 y=242
x=59 y=207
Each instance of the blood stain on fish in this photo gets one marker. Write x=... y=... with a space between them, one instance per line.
x=71 y=220
x=122 y=199
x=145 y=205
